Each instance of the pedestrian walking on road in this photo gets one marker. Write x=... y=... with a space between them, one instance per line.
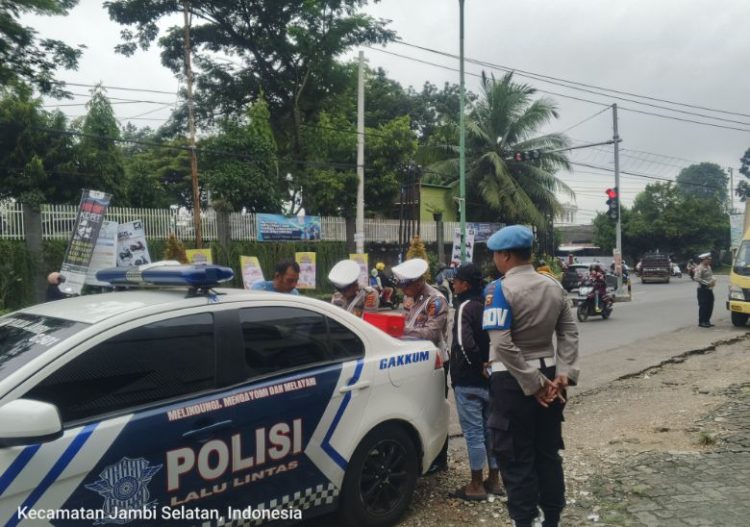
x=523 y=311
x=469 y=355
x=706 y=282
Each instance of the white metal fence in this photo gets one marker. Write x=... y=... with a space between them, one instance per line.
x=58 y=222
x=11 y=221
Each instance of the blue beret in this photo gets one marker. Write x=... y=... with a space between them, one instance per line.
x=511 y=237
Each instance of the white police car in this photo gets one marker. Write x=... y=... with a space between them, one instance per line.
x=180 y=406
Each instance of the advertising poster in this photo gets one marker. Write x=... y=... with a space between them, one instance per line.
x=199 y=256
x=361 y=259
x=483 y=231
x=78 y=254
x=456 y=252
x=251 y=271
x=306 y=263
x=277 y=227
x=104 y=252
x=131 y=244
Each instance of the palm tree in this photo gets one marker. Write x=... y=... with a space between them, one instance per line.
x=503 y=121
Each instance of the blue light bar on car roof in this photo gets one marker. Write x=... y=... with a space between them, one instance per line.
x=167 y=273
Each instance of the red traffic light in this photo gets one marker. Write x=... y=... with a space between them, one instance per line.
x=611 y=193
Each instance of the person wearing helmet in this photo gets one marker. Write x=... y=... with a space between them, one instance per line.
x=349 y=295
x=525 y=313
x=426 y=311
x=596 y=273
x=384 y=284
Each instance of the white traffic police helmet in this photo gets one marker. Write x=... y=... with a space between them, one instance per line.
x=344 y=274
x=410 y=271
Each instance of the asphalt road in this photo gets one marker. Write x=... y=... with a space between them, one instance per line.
x=655 y=309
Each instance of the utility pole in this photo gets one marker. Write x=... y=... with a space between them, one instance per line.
x=462 y=140
x=731 y=190
x=191 y=128
x=618 y=228
x=359 y=231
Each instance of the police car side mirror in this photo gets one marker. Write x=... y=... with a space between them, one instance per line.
x=25 y=421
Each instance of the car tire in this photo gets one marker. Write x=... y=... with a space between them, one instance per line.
x=739 y=319
x=371 y=496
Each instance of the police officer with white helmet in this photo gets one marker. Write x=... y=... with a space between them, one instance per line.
x=349 y=295
x=523 y=311
x=706 y=282
x=426 y=312
x=425 y=307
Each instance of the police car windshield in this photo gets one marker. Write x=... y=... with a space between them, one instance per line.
x=24 y=336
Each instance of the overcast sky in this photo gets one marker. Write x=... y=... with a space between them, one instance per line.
x=686 y=51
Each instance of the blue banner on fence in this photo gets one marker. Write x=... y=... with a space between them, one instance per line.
x=273 y=227
x=483 y=231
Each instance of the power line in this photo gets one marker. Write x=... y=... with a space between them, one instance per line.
x=585 y=120
x=559 y=79
x=144 y=90
x=654 y=114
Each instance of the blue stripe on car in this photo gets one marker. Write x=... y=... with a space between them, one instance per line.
x=326 y=445
x=16 y=467
x=57 y=469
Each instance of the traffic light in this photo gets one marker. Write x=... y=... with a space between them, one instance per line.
x=613 y=203
x=528 y=155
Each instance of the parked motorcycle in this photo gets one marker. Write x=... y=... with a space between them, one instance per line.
x=587 y=303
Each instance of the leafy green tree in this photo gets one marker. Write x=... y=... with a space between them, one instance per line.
x=24 y=57
x=331 y=188
x=505 y=119
x=704 y=180
x=743 y=187
x=36 y=152
x=663 y=218
x=157 y=170
x=101 y=165
x=240 y=163
x=286 y=49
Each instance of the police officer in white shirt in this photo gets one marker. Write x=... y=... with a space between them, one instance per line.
x=523 y=311
x=349 y=295
x=706 y=282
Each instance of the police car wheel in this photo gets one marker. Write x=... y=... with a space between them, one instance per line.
x=380 y=479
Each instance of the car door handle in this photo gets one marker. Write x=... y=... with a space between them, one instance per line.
x=357 y=386
x=215 y=427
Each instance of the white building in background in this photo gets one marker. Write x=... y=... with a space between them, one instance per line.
x=568 y=215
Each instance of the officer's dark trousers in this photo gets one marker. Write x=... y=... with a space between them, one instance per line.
x=526 y=438
x=705 y=304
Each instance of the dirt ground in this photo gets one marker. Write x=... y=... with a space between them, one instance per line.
x=660 y=410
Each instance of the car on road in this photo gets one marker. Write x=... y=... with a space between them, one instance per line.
x=573 y=275
x=210 y=406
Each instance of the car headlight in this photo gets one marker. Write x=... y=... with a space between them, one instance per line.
x=736 y=293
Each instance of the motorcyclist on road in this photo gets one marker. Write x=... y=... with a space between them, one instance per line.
x=596 y=274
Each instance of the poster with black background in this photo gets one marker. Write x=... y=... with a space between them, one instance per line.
x=91 y=213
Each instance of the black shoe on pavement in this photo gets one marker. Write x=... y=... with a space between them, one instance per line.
x=705 y=325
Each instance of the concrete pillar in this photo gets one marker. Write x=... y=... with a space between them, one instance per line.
x=32 y=227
